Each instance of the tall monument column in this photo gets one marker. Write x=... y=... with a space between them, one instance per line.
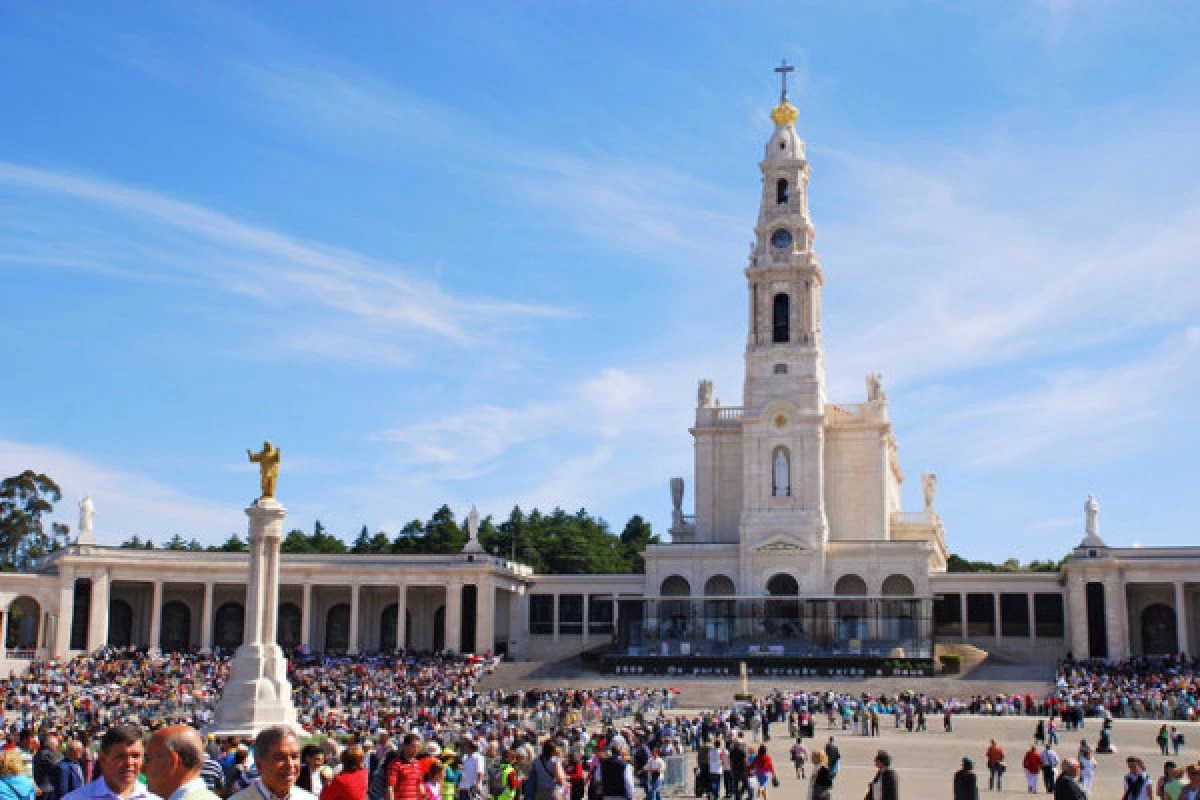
x=258 y=693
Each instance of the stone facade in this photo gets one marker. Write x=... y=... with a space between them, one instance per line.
x=797 y=516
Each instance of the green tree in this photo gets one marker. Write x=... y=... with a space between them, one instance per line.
x=24 y=499
x=634 y=540
x=234 y=544
x=135 y=542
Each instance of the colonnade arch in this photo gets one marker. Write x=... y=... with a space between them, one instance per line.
x=851 y=614
x=24 y=623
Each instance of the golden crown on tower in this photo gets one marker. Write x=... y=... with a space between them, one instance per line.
x=785 y=114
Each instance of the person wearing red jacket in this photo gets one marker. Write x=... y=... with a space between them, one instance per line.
x=1032 y=763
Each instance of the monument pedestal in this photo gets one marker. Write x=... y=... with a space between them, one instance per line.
x=257 y=693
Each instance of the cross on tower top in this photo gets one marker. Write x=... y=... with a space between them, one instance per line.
x=783 y=70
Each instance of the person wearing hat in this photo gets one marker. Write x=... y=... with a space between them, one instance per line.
x=966 y=785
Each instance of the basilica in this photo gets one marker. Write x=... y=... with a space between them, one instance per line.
x=797 y=557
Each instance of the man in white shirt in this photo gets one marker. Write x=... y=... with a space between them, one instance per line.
x=472 y=781
x=120 y=763
x=277 y=756
x=174 y=758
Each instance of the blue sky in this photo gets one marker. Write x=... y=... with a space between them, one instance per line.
x=482 y=254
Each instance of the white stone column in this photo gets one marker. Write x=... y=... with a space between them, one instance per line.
x=1032 y=617
x=257 y=693
x=156 y=616
x=1181 y=617
x=66 y=613
x=518 y=623
x=355 y=591
x=306 y=616
x=554 y=618
x=584 y=629
x=1077 y=618
x=101 y=599
x=402 y=626
x=453 y=618
x=1117 y=616
x=206 y=621
x=485 y=615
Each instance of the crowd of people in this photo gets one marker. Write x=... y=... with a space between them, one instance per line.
x=420 y=727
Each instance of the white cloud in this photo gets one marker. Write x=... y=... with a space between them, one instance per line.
x=126 y=502
x=368 y=303
x=1075 y=416
x=632 y=206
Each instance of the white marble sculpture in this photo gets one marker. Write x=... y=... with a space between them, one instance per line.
x=929 y=487
x=87 y=511
x=1091 y=524
x=473 y=545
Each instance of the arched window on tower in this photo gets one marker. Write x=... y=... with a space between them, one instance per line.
x=781 y=473
x=781 y=191
x=780 y=318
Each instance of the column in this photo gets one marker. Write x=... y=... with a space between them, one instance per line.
x=1032 y=618
x=485 y=616
x=255 y=595
x=996 y=613
x=1077 y=619
x=401 y=616
x=453 y=625
x=156 y=615
x=1114 y=606
x=306 y=617
x=355 y=591
x=586 y=598
x=101 y=599
x=206 y=620
x=270 y=631
x=1181 y=617
x=66 y=612
x=518 y=624
x=554 y=618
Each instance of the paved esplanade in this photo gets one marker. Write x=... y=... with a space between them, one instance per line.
x=926 y=762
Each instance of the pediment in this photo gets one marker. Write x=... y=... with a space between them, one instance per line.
x=780 y=543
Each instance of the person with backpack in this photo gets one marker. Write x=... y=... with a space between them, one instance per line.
x=616 y=777
x=546 y=777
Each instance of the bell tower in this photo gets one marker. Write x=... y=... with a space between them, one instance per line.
x=783 y=349
x=783 y=427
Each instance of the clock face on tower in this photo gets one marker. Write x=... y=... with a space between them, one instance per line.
x=781 y=238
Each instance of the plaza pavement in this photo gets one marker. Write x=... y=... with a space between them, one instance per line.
x=926 y=762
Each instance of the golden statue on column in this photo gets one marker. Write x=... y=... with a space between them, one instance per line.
x=268 y=468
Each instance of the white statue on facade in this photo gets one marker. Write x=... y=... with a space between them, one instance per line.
x=704 y=394
x=473 y=545
x=929 y=487
x=677 y=501
x=782 y=478
x=87 y=511
x=1091 y=524
x=875 y=392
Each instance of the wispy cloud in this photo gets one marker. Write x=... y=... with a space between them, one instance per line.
x=126 y=502
x=373 y=301
x=629 y=205
x=1076 y=416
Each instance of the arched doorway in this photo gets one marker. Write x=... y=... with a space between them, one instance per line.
x=439 y=629
x=387 y=628
x=673 y=623
x=229 y=626
x=120 y=623
x=176 y=627
x=719 y=614
x=851 y=614
x=24 y=624
x=337 y=629
x=782 y=618
x=898 y=615
x=1158 y=630
x=287 y=628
